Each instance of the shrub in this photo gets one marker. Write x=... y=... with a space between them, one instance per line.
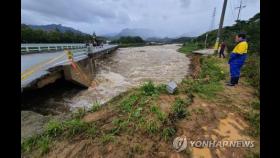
x=149 y=88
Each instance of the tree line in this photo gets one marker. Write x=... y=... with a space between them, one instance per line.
x=128 y=40
x=29 y=35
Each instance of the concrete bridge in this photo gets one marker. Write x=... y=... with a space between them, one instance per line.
x=41 y=68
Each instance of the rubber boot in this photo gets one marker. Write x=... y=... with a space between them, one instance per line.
x=232 y=81
x=236 y=79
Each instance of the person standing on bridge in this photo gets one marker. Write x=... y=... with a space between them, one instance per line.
x=237 y=58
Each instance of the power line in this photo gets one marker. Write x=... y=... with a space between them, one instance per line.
x=240 y=7
x=210 y=26
x=213 y=19
x=231 y=8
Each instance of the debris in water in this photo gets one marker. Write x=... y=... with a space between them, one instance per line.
x=171 y=87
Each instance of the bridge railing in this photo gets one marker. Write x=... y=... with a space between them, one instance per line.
x=31 y=48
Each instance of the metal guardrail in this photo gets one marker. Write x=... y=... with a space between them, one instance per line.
x=28 y=48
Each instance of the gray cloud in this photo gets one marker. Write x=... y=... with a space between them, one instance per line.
x=73 y=10
x=185 y=3
x=165 y=17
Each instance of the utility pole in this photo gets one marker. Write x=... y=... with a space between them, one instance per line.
x=220 y=26
x=211 y=26
x=240 y=7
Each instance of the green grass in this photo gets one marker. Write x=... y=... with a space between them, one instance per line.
x=91 y=131
x=120 y=125
x=149 y=89
x=160 y=115
x=80 y=113
x=127 y=104
x=255 y=105
x=95 y=107
x=106 y=138
x=188 y=48
x=44 y=144
x=152 y=126
x=74 y=127
x=210 y=67
x=168 y=132
x=179 y=108
x=137 y=112
x=207 y=91
x=208 y=83
x=162 y=88
x=28 y=144
x=41 y=143
x=54 y=128
x=254 y=119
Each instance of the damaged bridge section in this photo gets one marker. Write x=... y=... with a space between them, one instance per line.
x=41 y=69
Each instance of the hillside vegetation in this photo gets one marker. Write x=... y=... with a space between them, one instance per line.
x=31 y=35
x=128 y=41
x=251 y=27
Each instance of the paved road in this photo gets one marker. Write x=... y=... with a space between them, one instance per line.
x=34 y=66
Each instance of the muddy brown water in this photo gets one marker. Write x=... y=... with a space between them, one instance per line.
x=123 y=69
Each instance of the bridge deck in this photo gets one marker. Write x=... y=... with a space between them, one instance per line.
x=35 y=66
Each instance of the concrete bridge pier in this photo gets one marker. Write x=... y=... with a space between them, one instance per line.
x=83 y=74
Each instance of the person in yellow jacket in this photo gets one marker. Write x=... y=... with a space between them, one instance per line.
x=237 y=58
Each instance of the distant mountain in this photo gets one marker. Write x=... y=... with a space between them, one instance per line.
x=182 y=39
x=109 y=34
x=169 y=40
x=53 y=27
x=148 y=35
x=143 y=33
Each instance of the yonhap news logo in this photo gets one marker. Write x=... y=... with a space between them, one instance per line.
x=181 y=143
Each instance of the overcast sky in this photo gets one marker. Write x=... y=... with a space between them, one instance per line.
x=166 y=17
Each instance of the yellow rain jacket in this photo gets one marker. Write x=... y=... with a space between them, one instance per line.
x=241 y=48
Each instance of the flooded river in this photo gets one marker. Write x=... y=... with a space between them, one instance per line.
x=130 y=67
x=123 y=69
